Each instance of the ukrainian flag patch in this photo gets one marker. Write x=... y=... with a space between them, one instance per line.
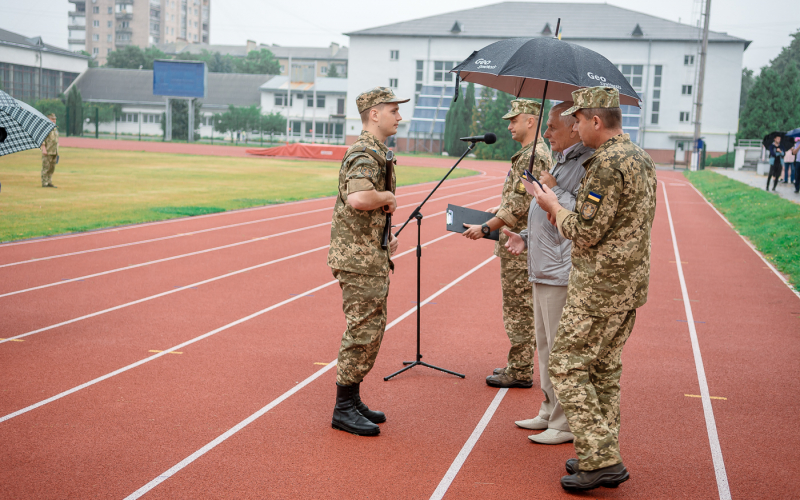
x=594 y=197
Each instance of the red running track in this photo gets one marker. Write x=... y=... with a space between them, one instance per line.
x=167 y=427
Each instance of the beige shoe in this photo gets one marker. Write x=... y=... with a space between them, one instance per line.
x=534 y=424
x=552 y=436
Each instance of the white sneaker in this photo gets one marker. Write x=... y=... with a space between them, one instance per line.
x=552 y=436
x=534 y=424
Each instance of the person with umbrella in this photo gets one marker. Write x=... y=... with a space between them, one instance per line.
x=513 y=213
x=610 y=232
x=776 y=154
x=50 y=154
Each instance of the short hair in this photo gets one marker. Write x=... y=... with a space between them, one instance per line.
x=365 y=113
x=560 y=108
x=611 y=117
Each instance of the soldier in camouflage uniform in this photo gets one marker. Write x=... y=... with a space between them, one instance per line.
x=610 y=233
x=513 y=213
x=357 y=259
x=49 y=155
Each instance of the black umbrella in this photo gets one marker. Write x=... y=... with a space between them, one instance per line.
x=21 y=126
x=541 y=68
x=787 y=141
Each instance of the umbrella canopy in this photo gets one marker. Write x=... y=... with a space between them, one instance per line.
x=21 y=126
x=787 y=141
x=521 y=66
x=793 y=133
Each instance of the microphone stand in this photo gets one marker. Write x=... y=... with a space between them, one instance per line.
x=418 y=217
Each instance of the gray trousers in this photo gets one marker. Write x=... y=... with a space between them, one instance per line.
x=548 y=302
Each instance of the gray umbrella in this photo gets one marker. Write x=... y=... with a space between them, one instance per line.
x=21 y=126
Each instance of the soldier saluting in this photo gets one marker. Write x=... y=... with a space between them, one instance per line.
x=357 y=259
x=610 y=233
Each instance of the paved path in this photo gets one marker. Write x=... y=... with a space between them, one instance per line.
x=759 y=181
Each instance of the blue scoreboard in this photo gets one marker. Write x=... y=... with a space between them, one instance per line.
x=180 y=78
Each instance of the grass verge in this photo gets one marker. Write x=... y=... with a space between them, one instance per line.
x=102 y=188
x=771 y=223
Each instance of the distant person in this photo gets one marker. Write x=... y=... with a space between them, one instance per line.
x=357 y=260
x=788 y=169
x=549 y=265
x=775 y=162
x=50 y=155
x=513 y=213
x=796 y=153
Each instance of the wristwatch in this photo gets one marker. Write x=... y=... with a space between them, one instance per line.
x=485 y=229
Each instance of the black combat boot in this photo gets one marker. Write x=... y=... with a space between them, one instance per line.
x=572 y=466
x=376 y=417
x=609 y=477
x=345 y=415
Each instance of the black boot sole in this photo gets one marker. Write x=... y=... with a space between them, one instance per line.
x=604 y=482
x=341 y=427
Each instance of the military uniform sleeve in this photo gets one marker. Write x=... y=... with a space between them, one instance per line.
x=362 y=174
x=515 y=204
x=596 y=209
x=50 y=144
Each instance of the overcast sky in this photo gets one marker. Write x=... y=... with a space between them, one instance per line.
x=768 y=23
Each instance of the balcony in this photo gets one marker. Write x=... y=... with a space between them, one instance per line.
x=76 y=22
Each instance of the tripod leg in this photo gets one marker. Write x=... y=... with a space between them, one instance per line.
x=441 y=369
x=410 y=366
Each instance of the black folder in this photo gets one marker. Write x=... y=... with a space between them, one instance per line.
x=458 y=216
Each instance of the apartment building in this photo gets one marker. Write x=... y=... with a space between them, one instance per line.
x=101 y=26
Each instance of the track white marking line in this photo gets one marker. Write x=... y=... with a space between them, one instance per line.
x=708 y=411
x=232 y=273
x=748 y=243
x=451 y=473
x=244 y=423
x=46 y=239
x=230 y=245
x=200 y=231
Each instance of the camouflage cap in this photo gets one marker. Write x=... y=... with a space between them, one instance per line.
x=523 y=106
x=593 y=97
x=378 y=95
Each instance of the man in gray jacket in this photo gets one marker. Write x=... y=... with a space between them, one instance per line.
x=549 y=265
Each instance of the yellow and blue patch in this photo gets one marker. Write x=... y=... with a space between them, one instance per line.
x=592 y=196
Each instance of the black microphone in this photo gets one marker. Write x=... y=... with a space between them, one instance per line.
x=489 y=138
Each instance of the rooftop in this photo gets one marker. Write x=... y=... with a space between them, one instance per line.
x=34 y=43
x=579 y=21
x=334 y=51
x=135 y=86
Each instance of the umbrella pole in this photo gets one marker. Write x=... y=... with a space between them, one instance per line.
x=538 y=128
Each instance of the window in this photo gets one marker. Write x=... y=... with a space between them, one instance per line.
x=688 y=60
x=95 y=10
x=109 y=50
x=95 y=38
x=340 y=106
x=96 y=23
x=282 y=100
x=310 y=100
x=320 y=101
x=295 y=128
x=95 y=51
x=656 y=103
x=109 y=24
x=124 y=24
x=393 y=82
x=111 y=10
x=686 y=90
x=108 y=38
x=394 y=55
x=323 y=70
x=684 y=117
x=283 y=68
x=440 y=71
x=124 y=8
x=124 y=37
x=633 y=73
x=418 y=80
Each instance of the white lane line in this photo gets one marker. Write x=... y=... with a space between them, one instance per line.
x=200 y=231
x=708 y=411
x=748 y=243
x=451 y=473
x=46 y=239
x=233 y=273
x=230 y=245
x=244 y=423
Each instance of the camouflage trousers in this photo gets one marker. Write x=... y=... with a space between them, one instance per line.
x=585 y=368
x=518 y=317
x=48 y=167
x=364 y=305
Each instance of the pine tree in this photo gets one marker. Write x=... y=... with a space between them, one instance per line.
x=773 y=104
x=75 y=107
x=458 y=122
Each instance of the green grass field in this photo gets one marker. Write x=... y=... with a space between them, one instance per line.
x=771 y=223
x=99 y=188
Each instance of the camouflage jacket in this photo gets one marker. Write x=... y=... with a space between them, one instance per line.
x=356 y=234
x=516 y=200
x=610 y=229
x=51 y=143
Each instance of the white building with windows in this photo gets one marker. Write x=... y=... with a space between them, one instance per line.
x=659 y=57
x=314 y=110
